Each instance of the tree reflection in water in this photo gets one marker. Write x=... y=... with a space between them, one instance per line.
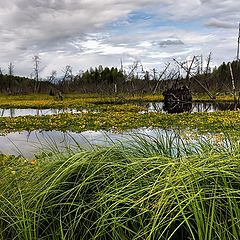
x=176 y=107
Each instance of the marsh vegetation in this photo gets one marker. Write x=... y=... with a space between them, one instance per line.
x=153 y=186
x=143 y=190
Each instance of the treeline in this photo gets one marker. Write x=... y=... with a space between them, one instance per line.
x=219 y=80
x=108 y=80
x=113 y=81
x=13 y=85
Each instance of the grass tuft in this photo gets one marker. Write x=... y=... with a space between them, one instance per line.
x=153 y=188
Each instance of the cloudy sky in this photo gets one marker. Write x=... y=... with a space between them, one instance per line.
x=84 y=33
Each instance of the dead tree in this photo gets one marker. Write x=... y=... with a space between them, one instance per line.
x=52 y=77
x=130 y=75
x=159 y=79
x=36 y=60
x=238 y=46
x=200 y=64
x=10 y=73
x=189 y=69
x=67 y=73
x=208 y=69
x=195 y=78
x=10 y=69
x=233 y=85
x=66 y=77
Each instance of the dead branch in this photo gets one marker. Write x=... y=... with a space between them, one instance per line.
x=195 y=78
x=159 y=79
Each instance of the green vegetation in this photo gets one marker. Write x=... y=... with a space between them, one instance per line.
x=109 y=113
x=124 y=117
x=77 y=101
x=149 y=189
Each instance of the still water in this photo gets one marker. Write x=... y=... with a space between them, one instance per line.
x=190 y=107
x=16 y=112
x=151 y=107
x=28 y=144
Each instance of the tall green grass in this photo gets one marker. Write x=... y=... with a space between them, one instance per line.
x=153 y=188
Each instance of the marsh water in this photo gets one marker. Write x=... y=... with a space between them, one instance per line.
x=28 y=144
x=151 y=107
x=16 y=112
x=191 y=107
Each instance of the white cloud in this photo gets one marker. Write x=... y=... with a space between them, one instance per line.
x=86 y=33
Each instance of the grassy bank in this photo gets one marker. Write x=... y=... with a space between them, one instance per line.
x=153 y=188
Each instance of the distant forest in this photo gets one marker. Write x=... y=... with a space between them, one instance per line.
x=113 y=81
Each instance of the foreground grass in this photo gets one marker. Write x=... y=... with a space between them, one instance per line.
x=152 y=188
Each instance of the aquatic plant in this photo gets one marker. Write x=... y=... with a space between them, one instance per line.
x=115 y=113
x=124 y=118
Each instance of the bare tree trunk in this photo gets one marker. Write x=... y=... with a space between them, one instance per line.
x=36 y=60
x=189 y=71
x=238 y=43
x=208 y=63
x=10 y=72
x=233 y=85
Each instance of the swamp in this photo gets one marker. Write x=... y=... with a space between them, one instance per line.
x=118 y=167
x=119 y=120
x=120 y=157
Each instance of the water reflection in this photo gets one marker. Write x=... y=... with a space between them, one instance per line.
x=190 y=107
x=172 y=107
x=28 y=144
x=15 y=112
x=152 y=107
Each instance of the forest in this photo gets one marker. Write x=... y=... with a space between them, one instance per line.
x=107 y=80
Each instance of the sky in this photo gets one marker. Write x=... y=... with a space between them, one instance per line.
x=88 y=33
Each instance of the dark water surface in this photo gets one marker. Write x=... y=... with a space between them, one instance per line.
x=190 y=107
